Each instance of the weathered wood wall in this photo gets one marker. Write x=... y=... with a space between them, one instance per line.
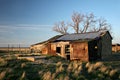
x=37 y=48
x=79 y=51
x=61 y=45
x=106 y=45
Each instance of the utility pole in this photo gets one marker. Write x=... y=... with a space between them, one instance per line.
x=8 y=48
x=19 y=49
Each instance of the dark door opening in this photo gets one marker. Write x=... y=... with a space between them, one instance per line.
x=94 y=51
x=68 y=57
x=58 y=50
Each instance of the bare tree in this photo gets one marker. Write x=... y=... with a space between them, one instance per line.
x=77 y=18
x=88 y=22
x=82 y=23
x=101 y=25
x=60 y=27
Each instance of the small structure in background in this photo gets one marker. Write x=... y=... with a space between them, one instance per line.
x=82 y=46
x=115 y=47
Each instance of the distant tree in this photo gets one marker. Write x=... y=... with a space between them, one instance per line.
x=82 y=23
x=60 y=27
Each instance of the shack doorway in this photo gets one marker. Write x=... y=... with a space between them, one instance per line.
x=67 y=51
x=94 y=51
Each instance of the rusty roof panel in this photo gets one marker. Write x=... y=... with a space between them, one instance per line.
x=80 y=36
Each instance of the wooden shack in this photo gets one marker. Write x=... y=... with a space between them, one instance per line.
x=83 y=46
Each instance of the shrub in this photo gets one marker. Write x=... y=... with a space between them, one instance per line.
x=3 y=62
x=2 y=75
x=47 y=76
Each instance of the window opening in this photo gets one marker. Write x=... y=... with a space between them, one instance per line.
x=58 y=50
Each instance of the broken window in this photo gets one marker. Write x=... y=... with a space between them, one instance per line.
x=58 y=50
x=67 y=49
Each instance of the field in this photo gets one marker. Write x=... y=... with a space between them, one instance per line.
x=57 y=68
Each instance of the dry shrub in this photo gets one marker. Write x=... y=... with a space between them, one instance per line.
x=80 y=68
x=113 y=72
x=107 y=71
x=9 y=70
x=59 y=69
x=9 y=57
x=47 y=76
x=66 y=78
x=2 y=75
x=75 y=65
x=61 y=78
x=103 y=69
x=91 y=68
x=100 y=76
x=23 y=75
x=88 y=65
x=2 y=61
x=69 y=69
x=40 y=72
x=23 y=65
x=76 y=72
x=98 y=65
x=53 y=76
x=58 y=63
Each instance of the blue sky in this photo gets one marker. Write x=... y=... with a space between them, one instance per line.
x=27 y=22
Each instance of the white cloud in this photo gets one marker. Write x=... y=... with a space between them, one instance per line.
x=12 y=28
x=32 y=26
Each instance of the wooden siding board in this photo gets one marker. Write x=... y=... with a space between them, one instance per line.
x=80 y=51
x=60 y=44
x=106 y=45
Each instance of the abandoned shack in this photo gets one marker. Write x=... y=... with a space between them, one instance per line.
x=83 y=46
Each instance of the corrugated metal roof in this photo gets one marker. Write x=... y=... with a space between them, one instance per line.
x=80 y=36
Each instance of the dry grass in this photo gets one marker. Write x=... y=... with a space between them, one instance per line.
x=87 y=65
x=2 y=61
x=91 y=68
x=103 y=69
x=47 y=76
x=69 y=68
x=2 y=75
x=58 y=63
x=23 y=65
x=113 y=72
x=58 y=70
x=23 y=75
x=98 y=65
x=66 y=78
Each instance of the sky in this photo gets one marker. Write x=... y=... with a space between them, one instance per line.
x=26 y=22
